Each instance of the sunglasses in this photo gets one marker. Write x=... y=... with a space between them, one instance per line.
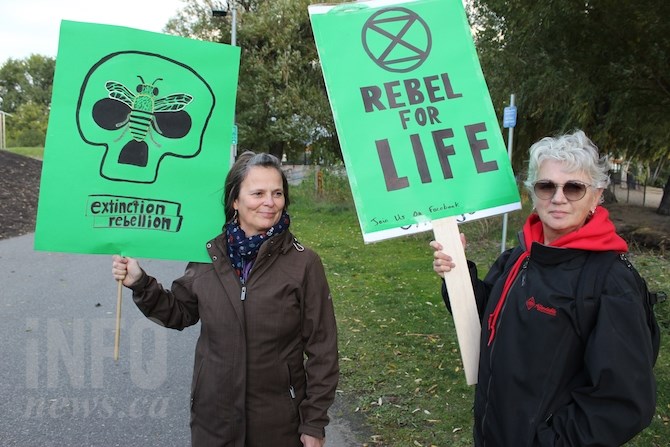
x=572 y=190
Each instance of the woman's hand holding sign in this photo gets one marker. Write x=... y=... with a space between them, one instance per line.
x=442 y=262
x=126 y=270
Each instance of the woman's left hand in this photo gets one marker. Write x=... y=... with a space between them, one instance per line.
x=311 y=441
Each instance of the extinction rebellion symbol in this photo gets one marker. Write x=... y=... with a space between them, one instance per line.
x=396 y=39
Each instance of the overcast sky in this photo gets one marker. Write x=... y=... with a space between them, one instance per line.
x=32 y=26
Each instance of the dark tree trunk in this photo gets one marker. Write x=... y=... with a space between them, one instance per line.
x=609 y=196
x=277 y=149
x=664 y=206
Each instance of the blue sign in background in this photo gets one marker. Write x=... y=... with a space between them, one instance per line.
x=509 y=117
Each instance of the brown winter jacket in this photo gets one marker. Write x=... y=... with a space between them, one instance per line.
x=266 y=364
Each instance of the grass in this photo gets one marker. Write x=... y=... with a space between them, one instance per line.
x=34 y=152
x=401 y=371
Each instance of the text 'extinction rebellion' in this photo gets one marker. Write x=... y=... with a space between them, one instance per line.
x=110 y=211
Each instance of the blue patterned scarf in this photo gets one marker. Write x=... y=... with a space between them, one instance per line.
x=242 y=250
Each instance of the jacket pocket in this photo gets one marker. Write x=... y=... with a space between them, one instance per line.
x=196 y=382
x=291 y=392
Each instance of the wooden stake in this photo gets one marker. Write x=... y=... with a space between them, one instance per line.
x=461 y=296
x=117 y=335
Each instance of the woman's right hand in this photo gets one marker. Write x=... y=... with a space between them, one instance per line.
x=442 y=262
x=126 y=270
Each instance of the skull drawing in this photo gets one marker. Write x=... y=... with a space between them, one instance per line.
x=142 y=108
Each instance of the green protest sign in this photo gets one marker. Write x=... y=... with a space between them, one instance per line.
x=138 y=143
x=419 y=135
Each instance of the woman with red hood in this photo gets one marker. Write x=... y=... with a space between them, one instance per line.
x=545 y=379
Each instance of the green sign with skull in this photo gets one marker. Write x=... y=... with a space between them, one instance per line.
x=138 y=146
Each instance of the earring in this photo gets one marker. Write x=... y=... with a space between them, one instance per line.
x=235 y=215
x=592 y=212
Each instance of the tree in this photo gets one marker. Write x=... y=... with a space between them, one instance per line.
x=282 y=106
x=25 y=92
x=28 y=125
x=601 y=66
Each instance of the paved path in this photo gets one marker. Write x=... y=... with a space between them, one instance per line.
x=59 y=384
x=649 y=196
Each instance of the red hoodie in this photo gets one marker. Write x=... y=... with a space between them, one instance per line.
x=598 y=234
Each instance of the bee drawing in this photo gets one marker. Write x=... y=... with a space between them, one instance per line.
x=140 y=113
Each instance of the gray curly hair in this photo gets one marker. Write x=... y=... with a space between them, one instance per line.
x=576 y=151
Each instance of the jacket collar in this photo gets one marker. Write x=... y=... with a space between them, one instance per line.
x=279 y=243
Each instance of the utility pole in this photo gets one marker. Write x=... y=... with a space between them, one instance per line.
x=233 y=41
x=509 y=121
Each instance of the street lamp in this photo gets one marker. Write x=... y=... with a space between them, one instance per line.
x=233 y=42
x=223 y=13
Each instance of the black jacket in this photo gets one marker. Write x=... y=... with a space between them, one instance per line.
x=539 y=383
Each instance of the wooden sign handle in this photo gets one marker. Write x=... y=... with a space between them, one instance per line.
x=461 y=296
x=117 y=334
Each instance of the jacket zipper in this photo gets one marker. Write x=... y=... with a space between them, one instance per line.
x=243 y=295
x=522 y=277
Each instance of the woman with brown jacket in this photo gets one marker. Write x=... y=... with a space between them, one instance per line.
x=266 y=363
